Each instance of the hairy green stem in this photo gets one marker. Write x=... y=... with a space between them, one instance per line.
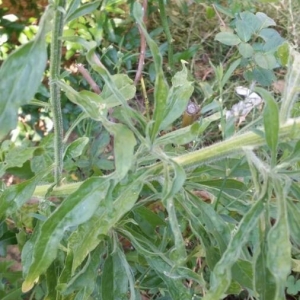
x=165 y=24
x=193 y=159
x=55 y=60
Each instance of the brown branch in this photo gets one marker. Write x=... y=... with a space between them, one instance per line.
x=142 y=47
x=87 y=76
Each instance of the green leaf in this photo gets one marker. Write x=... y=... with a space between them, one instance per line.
x=76 y=209
x=89 y=234
x=96 y=105
x=114 y=282
x=283 y=54
x=148 y=221
x=85 y=280
x=243 y=30
x=124 y=143
x=17 y=156
x=221 y=276
x=279 y=254
x=292 y=83
x=242 y=273
x=271 y=120
x=16 y=195
x=272 y=38
x=71 y=7
x=51 y=281
x=84 y=9
x=228 y=38
x=265 y=60
x=181 y=136
x=264 y=281
x=21 y=74
x=294 y=217
x=230 y=71
x=263 y=76
x=13 y=295
x=250 y=20
x=245 y=50
x=171 y=186
x=178 y=97
x=124 y=84
x=165 y=268
x=76 y=148
x=212 y=221
x=265 y=21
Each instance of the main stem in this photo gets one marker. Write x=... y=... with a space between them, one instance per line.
x=55 y=60
x=228 y=147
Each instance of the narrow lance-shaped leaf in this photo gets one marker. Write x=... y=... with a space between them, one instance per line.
x=161 y=87
x=21 y=74
x=170 y=188
x=264 y=281
x=279 y=246
x=76 y=209
x=271 y=121
x=292 y=83
x=230 y=71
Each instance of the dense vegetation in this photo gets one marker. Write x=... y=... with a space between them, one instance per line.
x=149 y=150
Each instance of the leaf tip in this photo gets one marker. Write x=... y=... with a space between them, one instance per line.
x=28 y=285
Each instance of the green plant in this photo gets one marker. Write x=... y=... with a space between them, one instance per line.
x=261 y=48
x=167 y=222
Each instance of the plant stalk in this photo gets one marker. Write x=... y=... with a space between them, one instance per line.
x=196 y=158
x=55 y=61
